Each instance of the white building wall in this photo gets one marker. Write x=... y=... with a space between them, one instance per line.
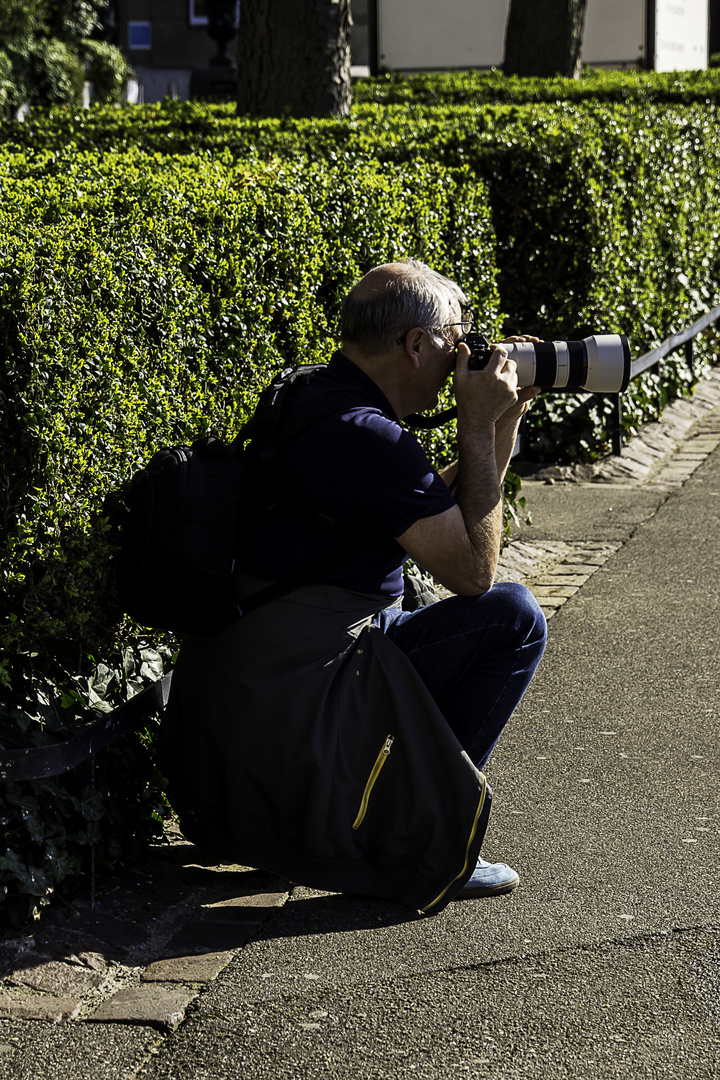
x=614 y=32
x=681 y=35
x=422 y=35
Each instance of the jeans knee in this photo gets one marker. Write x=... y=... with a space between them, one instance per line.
x=529 y=616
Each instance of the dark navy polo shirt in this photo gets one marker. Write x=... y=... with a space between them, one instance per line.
x=365 y=471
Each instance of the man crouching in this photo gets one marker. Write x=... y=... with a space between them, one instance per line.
x=331 y=736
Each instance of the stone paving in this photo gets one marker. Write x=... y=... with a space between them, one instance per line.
x=153 y=940
x=159 y=935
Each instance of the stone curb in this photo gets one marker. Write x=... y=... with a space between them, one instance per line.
x=553 y=572
x=147 y=949
x=158 y=1006
x=644 y=455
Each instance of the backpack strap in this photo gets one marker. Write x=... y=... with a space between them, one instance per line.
x=270 y=430
x=271 y=408
x=270 y=423
x=274 y=425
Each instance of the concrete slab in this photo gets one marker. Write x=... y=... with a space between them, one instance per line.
x=19 y=1006
x=597 y=512
x=56 y=977
x=149 y=1003
x=202 y=967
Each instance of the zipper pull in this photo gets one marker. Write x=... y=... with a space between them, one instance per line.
x=388 y=744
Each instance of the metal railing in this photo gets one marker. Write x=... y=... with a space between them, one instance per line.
x=671 y=344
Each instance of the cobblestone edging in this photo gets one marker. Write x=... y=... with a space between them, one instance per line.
x=669 y=450
x=145 y=952
x=553 y=570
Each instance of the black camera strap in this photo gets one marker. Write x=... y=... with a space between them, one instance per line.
x=415 y=420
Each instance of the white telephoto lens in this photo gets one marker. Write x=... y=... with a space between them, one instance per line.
x=523 y=353
x=598 y=365
x=608 y=363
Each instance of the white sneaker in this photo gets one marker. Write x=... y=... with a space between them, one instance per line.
x=489 y=879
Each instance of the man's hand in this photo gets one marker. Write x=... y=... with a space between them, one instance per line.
x=525 y=394
x=460 y=547
x=486 y=394
x=507 y=426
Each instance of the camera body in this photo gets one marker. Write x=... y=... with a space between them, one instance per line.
x=599 y=364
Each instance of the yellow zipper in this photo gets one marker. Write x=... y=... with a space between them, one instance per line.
x=379 y=762
x=439 y=897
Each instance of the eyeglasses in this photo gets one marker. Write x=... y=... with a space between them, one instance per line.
x=466 y=324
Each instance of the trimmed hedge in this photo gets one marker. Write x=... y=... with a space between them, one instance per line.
x=492 y=87
x=187 y=126
x=145 y=299
x=606 y=215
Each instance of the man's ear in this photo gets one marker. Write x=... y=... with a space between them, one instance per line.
x=413 y=341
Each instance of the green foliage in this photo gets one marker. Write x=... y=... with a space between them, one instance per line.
x=107 y=69
x=55 y=75
x=492 y=87
x=606 y=215
x=159 y=264
x=54 y=831
x=47 y=43
x=73 y=20
x=6 y=81
x=20 y=22
x=145 y=299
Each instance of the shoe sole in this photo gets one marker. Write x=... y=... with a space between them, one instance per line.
x=469 y=892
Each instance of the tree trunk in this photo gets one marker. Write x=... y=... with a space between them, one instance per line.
x=294 y=58
x=544 y=37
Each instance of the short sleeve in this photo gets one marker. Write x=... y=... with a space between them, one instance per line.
x=378 y=473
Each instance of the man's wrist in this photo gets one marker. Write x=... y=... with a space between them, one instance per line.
x=476 y=427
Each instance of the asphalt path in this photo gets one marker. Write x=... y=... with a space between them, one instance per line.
x=606 y=961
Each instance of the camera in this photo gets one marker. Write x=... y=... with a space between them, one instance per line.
x=599 y=364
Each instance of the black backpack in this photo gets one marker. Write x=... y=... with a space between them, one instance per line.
x=182 y=517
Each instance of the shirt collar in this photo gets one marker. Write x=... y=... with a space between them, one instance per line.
x=350 y=372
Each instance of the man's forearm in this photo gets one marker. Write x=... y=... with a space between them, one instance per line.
x=479 y=495
x=505 y=439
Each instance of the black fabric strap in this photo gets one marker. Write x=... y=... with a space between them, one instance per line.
x=415 y=420
x=271 y=433
x=39 y=762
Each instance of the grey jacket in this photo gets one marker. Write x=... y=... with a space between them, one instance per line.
x=301 y=741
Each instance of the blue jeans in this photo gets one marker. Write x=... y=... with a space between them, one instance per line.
x=476 y=655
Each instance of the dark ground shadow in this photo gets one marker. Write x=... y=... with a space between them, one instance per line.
x=176 y=903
